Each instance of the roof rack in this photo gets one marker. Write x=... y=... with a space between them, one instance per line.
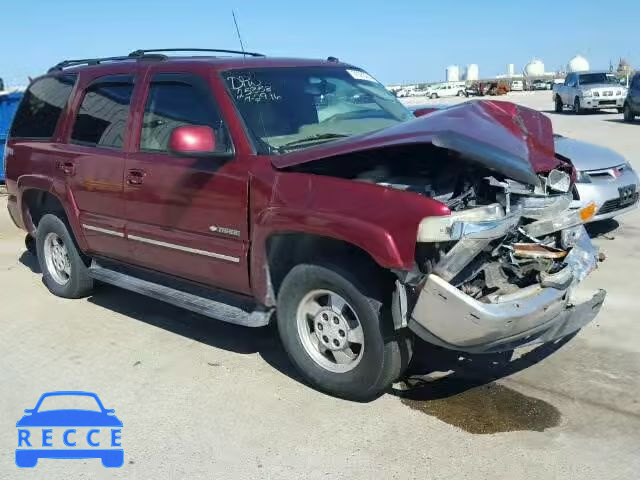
x=137 y=53
x=151 y=54
x=96 y=61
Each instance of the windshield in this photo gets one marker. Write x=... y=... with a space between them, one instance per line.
x=292 y=108
x=66 y=402
x=589 y=78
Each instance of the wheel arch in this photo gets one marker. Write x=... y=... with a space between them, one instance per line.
x=36 y=201
x=275 y=251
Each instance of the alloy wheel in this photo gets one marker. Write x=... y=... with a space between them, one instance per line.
x=330 y=331
x=56 y=258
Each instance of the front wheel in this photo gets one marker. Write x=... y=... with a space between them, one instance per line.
x=339 y=334
x=434 y=96
x=577 y=109
x=628 y=113
x=558 y=105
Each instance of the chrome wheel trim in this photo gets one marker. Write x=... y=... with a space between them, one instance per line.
x=56 y=257
x=330 y=331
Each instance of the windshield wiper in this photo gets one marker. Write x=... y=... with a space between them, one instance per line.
x=312 y=138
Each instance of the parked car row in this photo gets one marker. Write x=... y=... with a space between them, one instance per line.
x=592 y=91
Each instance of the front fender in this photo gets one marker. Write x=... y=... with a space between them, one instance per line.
x=379 y=220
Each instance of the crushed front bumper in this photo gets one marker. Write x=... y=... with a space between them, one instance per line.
x=446 y=316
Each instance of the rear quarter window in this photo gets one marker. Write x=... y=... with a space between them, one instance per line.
x=41 y=106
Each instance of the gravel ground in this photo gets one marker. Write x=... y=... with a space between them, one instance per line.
x=203 y=399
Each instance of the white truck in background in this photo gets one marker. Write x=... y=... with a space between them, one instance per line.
x=589 y=91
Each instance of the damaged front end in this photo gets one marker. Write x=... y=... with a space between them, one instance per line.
x=500 y=268
x=505 y=275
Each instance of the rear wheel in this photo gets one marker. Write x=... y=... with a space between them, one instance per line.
x=339 y=334
x=434 y=95
x=63 y=268
x=559 y=105
x=628 y=113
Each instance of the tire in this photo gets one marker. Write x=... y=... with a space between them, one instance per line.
x=629 y=116
x=64 y=269
x=377 y=357
x=577 y=109
x=30 y=245
x=558 y=105
x=434 y=96
x=460 y=93
x=620 y=110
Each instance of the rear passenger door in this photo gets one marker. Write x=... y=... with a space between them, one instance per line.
x=186 y=216
x=93 y=162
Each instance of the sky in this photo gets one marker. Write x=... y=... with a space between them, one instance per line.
x=399 y=41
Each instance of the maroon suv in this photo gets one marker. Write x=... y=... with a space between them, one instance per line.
x=246 y=186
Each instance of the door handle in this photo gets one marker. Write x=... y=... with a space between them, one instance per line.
x=68 y=168
x=135 y=176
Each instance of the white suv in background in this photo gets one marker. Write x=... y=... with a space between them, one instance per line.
x=454 y=89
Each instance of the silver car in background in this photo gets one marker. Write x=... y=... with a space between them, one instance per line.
x=604 y=177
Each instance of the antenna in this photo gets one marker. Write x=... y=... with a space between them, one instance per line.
x=237 y=31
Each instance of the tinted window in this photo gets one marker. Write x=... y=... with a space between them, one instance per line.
x=177 y=100
x=592 y=78
x=102 y=116
x=41 y=107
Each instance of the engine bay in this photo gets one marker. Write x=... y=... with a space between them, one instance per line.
x=533 y=252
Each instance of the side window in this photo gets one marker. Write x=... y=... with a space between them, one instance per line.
x=175 y=100
x=41 y=106
x=102 y=117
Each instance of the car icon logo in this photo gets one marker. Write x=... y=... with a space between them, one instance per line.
x=48 y=431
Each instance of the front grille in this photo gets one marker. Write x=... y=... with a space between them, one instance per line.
x=613 y=205
x=607 y=102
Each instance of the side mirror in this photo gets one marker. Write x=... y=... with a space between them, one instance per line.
x=193 y=141
x=109 y=411
x=28 y=410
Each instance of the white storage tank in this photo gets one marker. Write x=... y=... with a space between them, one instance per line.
x=535 y=68
x=473 y=72
x=578 y=64
x=511 y=70
x=453 y=73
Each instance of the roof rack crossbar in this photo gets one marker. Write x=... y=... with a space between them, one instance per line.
x=137 y=53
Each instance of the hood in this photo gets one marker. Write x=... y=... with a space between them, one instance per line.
x=69 y=418
x=587 y=156
x=508 y=138
x=607 y=86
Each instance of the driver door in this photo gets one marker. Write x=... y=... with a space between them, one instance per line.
x=186 y=216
